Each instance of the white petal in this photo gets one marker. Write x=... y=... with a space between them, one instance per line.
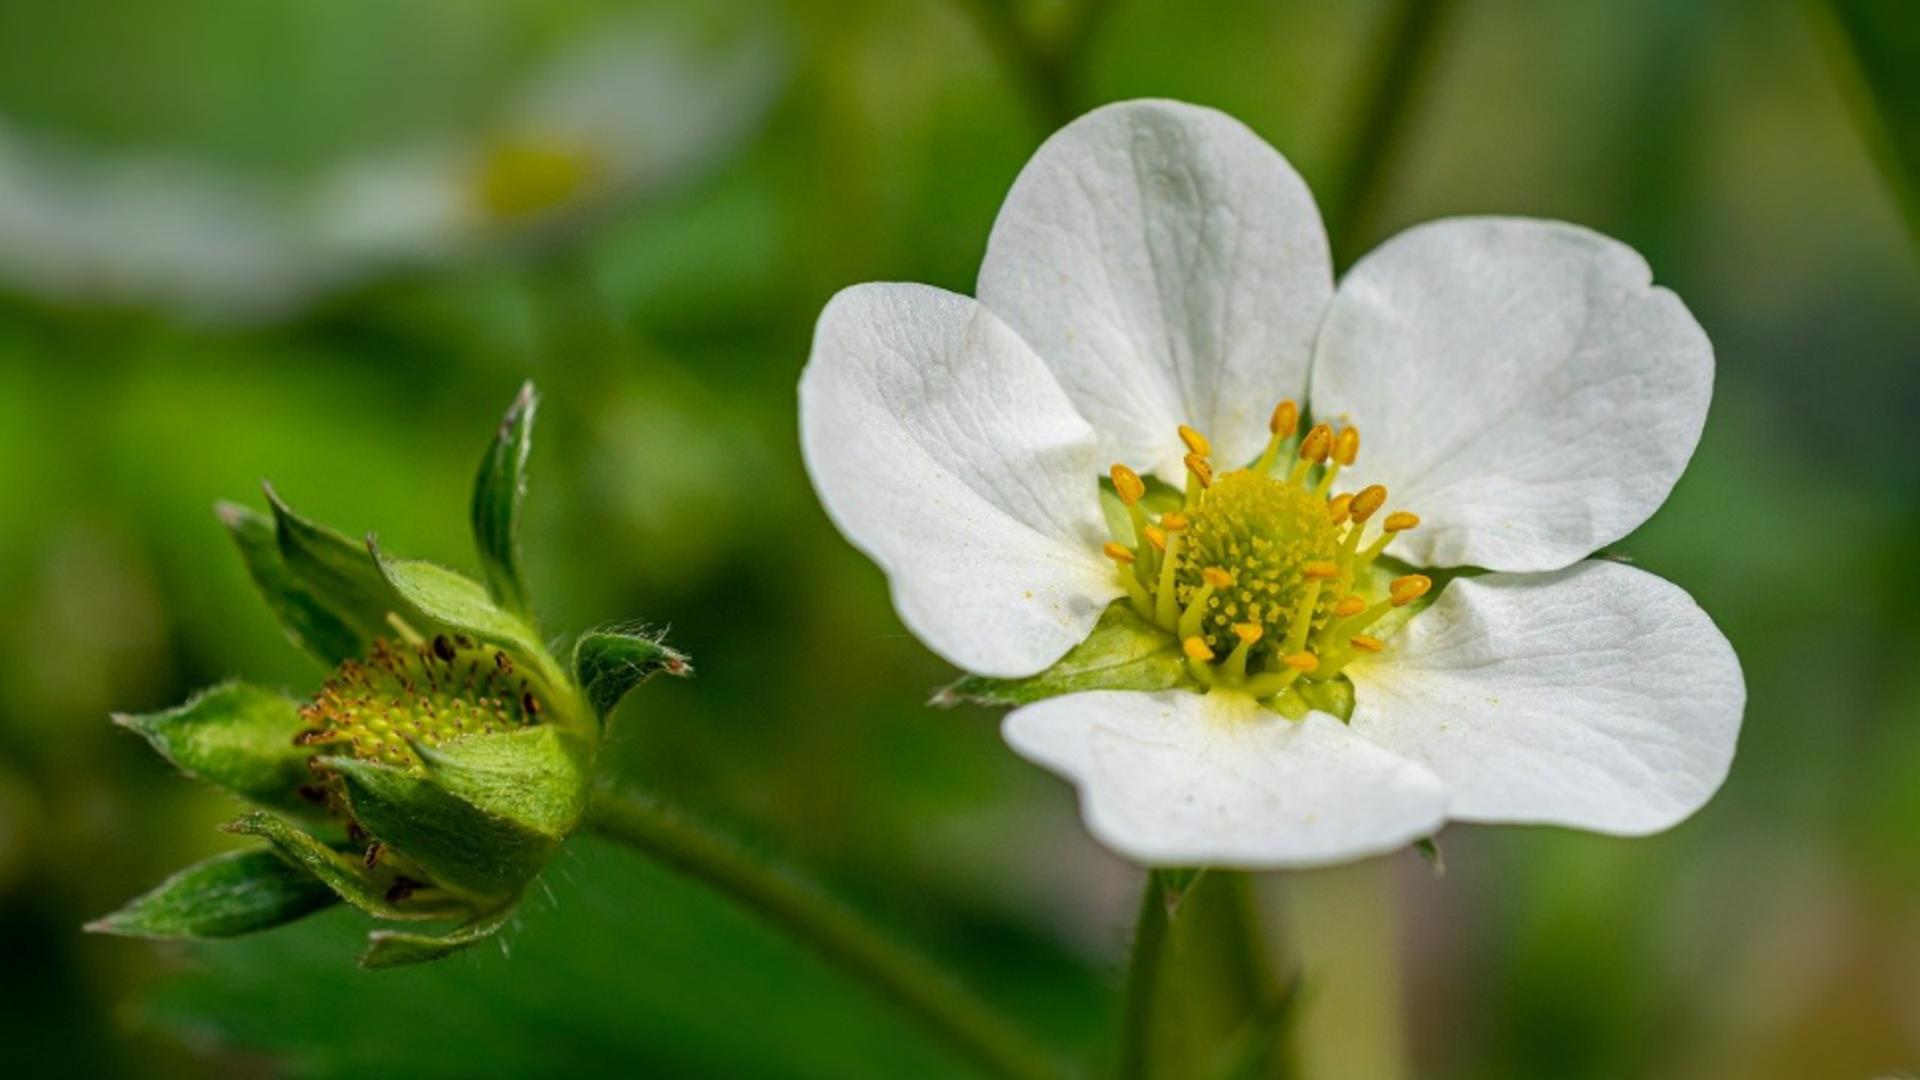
x=943 y=448
x=1184 y=779
x=1171 y=268
x=1598 y=696
x=1520 y=384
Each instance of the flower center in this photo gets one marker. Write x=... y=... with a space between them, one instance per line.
x=1261 y=572
x=422 y=694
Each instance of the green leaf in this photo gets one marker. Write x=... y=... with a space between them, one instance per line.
x=335 y=570
x=236 y=736
x=373 y=891
x=608 y=664
x=1124 y=652
x=397 y=948
x=460 y=846
x=497 y=493
x=308 y=622
x=536 y=776
x=235 y=893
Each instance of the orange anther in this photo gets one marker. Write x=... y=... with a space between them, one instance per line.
x=1216 y=577
x=1248 y=632
x=1370 y=499
x=1203 y=472
x=1301 y=661
x=1127 y=484
x=1196 y=649
x=1286 y=417
x=1318 y=444
x=1117 y=553
x=1346 y=446
x=1321 y=568
x=1400 y=521
x=1350 y=605
x=1195 y=441
x=1405 y=590
x=1367 y=643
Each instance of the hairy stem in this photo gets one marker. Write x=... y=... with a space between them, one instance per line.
x=806 y=911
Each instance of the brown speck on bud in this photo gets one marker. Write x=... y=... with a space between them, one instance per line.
x=402 y=888
x=443 y=648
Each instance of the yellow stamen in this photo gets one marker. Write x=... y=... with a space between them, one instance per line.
x=1198 y=659
x=1196 y=442
x=1317 y=573
x=1128 y=485
x=1405 y=590
x=1118 y=553
x=1199 y=477
x=1366 y=643
x=1210 y=579
x=1314 y=449
x=1156 y=536
x=1249 y=635
x=1346 y=446
x=1271 y=683
x=1338 y=508
x=1397 y=522
x=1350 y=605
x=1370 y=499
x=1285 y=418
x=1166 y=604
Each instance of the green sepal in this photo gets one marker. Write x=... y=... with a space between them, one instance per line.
x=397 y=948
x=1124 y=652
x=467 y=850
x=1429 y=849
x=497 y=493
x=536 y=776
x=238 y=892
x=348 y=876
x=607 y=664
x=237 y=737
x=447 y=599
x=308 y=622
x=334 y=570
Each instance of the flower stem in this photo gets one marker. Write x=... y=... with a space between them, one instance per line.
x=804 y=910
x=1201 y=996
x=1143 y=978
x=1406 y=52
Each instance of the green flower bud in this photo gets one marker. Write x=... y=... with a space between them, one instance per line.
x=439 y=765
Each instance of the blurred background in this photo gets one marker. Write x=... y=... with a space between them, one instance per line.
x=322 y=241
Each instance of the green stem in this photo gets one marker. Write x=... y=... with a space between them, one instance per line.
x=1143 y=978
x=1406 y=52
x=1201 y=998
x=804 y=910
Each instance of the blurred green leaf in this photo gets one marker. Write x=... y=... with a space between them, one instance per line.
x=236 y=736
x=497 y=494
x=1124 y=652
x=308 y=622
x=535 y=776
x=399 y=948
x=235 y=893
x=463 y=848
x=608 y=665
x=370 y=890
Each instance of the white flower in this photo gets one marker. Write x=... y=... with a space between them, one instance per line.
x=1156 y=281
